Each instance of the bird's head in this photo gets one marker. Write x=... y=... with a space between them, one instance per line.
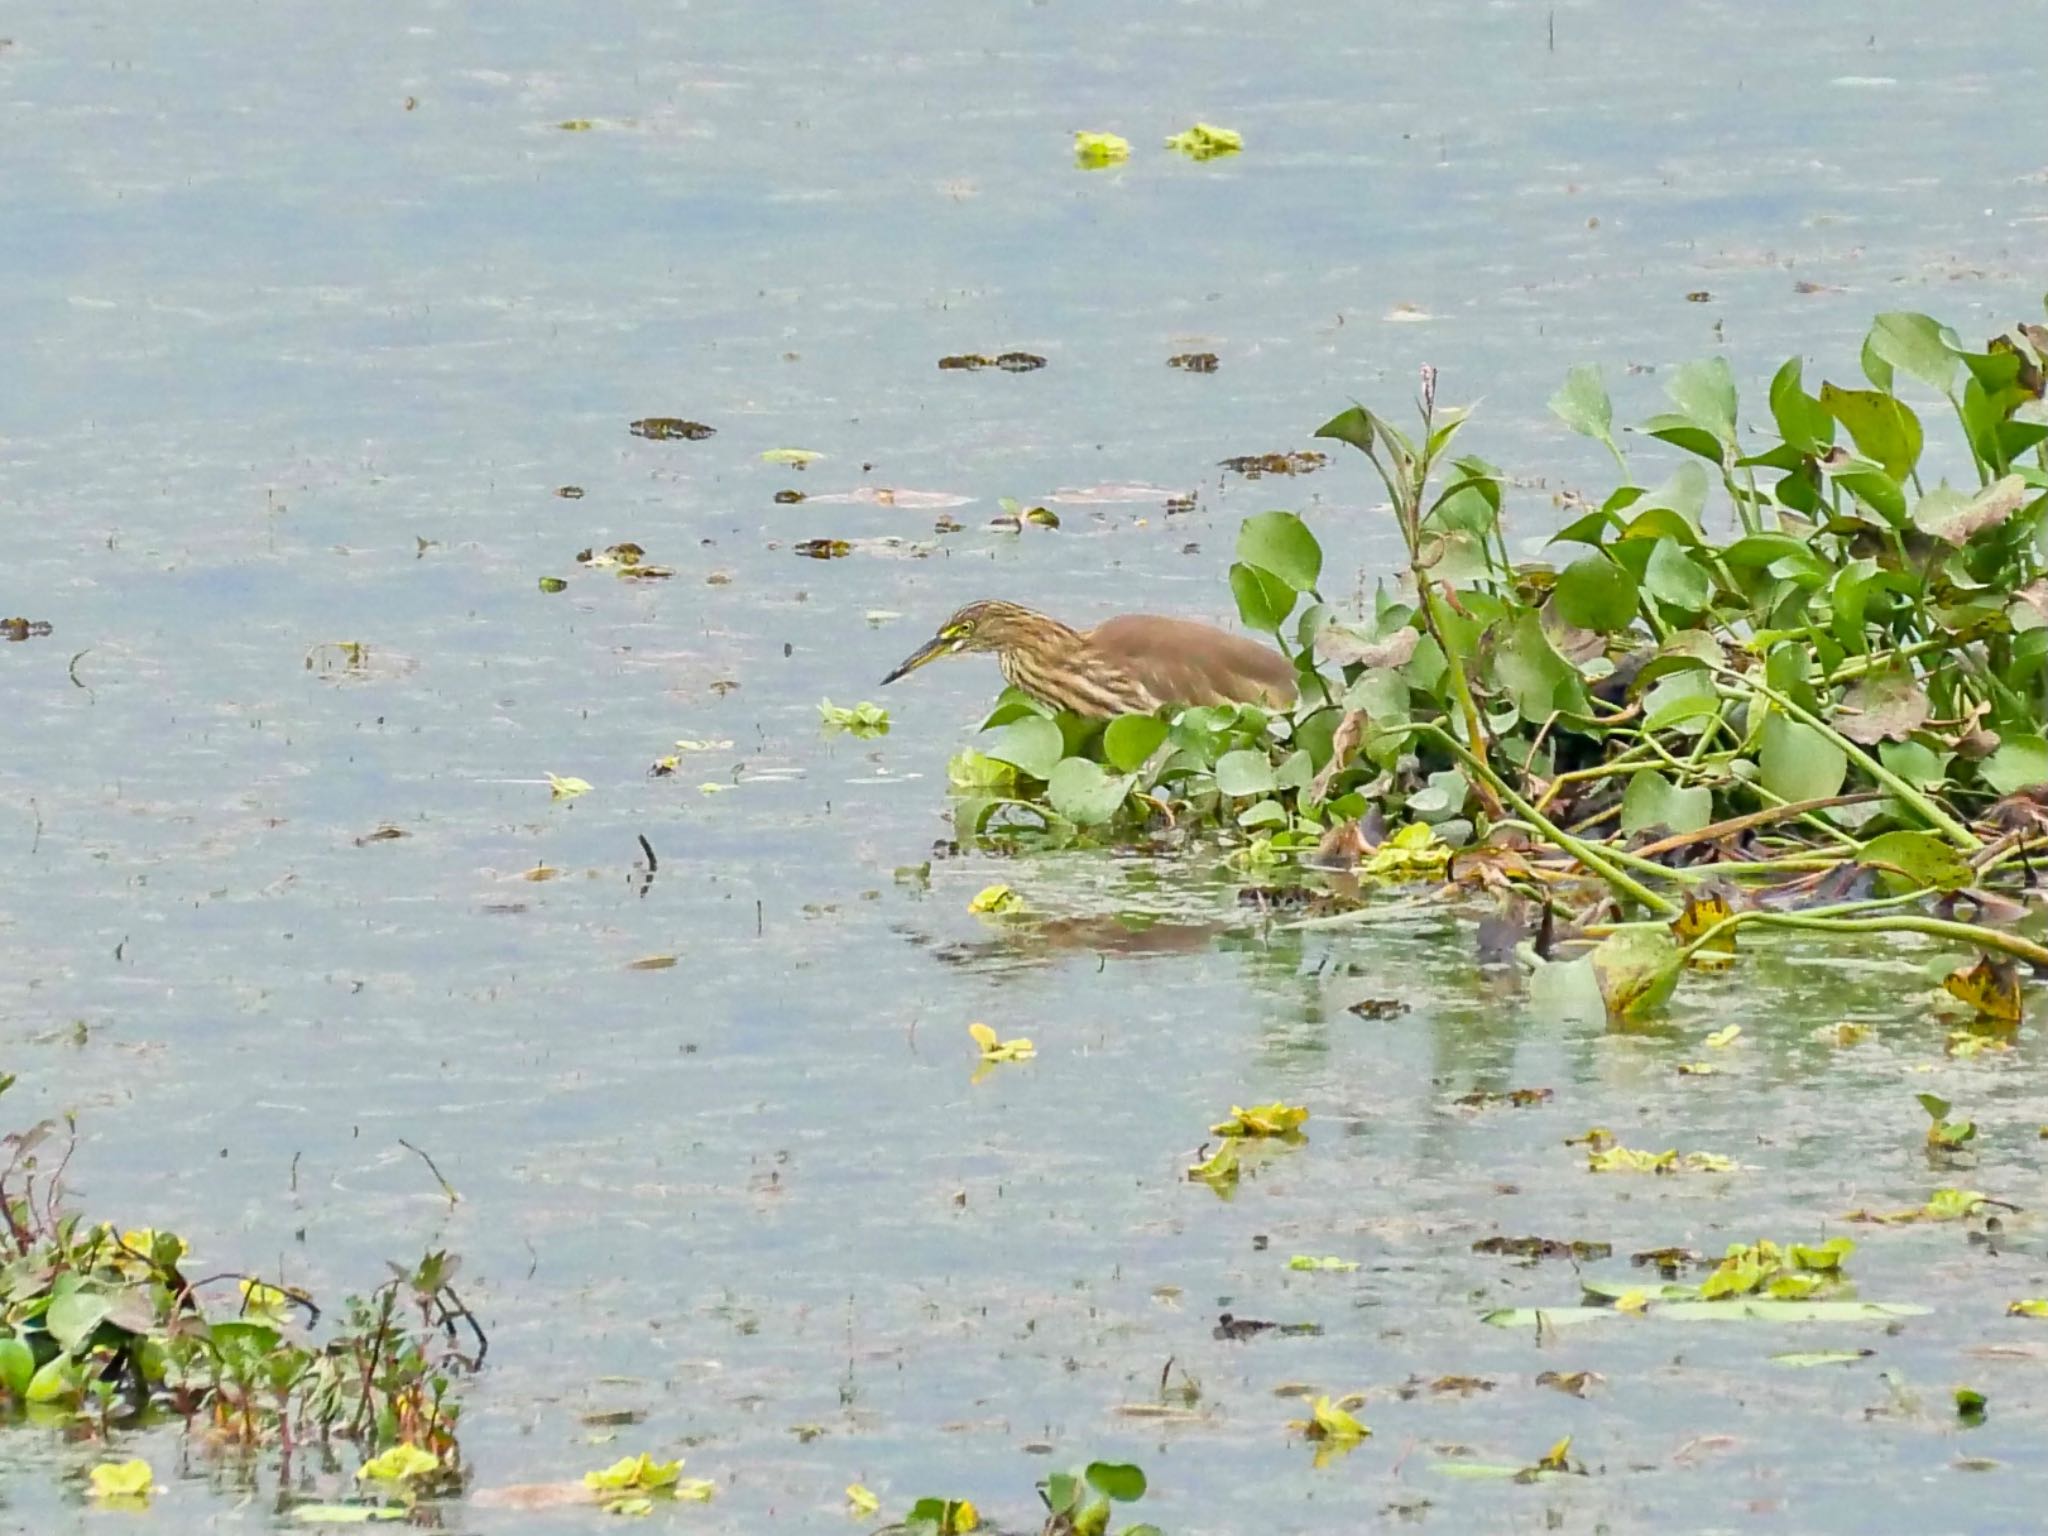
x=984 y=626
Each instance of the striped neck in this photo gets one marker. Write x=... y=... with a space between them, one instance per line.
x=1064 y=676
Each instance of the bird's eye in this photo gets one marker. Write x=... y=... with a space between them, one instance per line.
x=955 y=631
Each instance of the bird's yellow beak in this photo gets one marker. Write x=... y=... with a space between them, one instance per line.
x=931 y=650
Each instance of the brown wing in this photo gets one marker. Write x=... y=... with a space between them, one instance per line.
x=1182 y=662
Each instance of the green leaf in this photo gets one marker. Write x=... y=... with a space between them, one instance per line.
x=1918 y=344
x=1582 y=405
x=346 y=1514
x=1798 y=762
x=72 y=1317
x=1672 y=577
x=1653 y=801
x=17 y=1367
x=1118 y=1480
x=1263 y=599
x=1802 y=420
x=2020 y=762
x=1280 y=544
x=1920 y=766
x=1353 y=426
x=1245 y=772
x=1538 y=679
x=1080 y=791
x=1924 y=859
x=1807 y=1358
x=57 y=1380
x=1546 y=1317
x=1130 y=741
x=1594 y=593
x=1032 y=743
x=1637 y=968
x=1883 y=428
x=1754 y=1309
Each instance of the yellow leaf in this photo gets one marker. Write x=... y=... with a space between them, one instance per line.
x=1330 y=1422
x=1697 y=1069
x=983 y=1037
x=1632 y=1301
x=1700 y=914
x=1556 y=1459
x=1219 y=1168
x=996 y=899
x=1205 y=141
x=1844 y=1034
x=629 y=1473
x=1992 y=987
x=1098 y=149
x=633 y=1504
x=1722 y=1038
x=993 y=1049
x=1275 y=1119
x=398 y=1464
x=695 y=1490
x=2034 y=1306
x=122 y=1480
x=965 y=1516
x=560 y=788
x=860 y=1500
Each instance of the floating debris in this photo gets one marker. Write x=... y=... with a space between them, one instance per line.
x=823 y=549
x=569 y=492
x=1194 y=362
x=662 y=428
x=1092 y=151
x=1205 y=141
x=788 y=498
x=1009 y=362
x=1252 y=465
x=24 y=629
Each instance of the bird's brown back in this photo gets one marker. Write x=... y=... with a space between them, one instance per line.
x=1184 y=662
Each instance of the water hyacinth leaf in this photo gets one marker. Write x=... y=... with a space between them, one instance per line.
x=2033 y=1306
x=17 y=1367
x=1991 y=987
x=1761 y=1309
x=1442 y=797
x=1798 y=762
x=1955 y=518
x=1637 y=969
x=1883 y=706
x=1540 y=681
x=1919 y=345
x=1673 y=577
x=1803 y=422
x=1594 y=593
x=861 y=1500
x=1885 y=430
x=73 y=1316
x=2020 y=762
x=399 y=1464
x=1582 y=404
x=121 y=1480
x=1920 y=860
x=1080 y=791
x=1245 y=772
x=1032 y=744
x=1545 y=1317
x=347 y=1514
x=1652 y=800
x=1205 y=141
x=1130 y=740
x=1263 y=600
x=1704 y=392
x=55 y=1380
x=1920 y=766
x=561 y=788
x=1280 y=544
x=1117 y=1480
x=995 y=900
x=1094 y=150
x=794 y=458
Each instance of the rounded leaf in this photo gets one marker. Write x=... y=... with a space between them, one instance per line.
x=1263 y=599
x=1245 y=772
x=1594 y=593
x=1131 y=739
x=1119 y=1480
x=1032 y=743
x=1080 y=791
x=1279 y=543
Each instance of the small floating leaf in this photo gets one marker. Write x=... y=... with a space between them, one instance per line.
x=122 y=1480
x=560 y=788
x=995 y=900
x=1205 y=141
x=401 y=1462
x=860 y=1500
x=1992 y=987
x=1095 y=150
x=547 y=584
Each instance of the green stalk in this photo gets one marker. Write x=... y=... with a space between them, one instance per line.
x=1961 y=933
x=1582 y=851
x=1931 y=813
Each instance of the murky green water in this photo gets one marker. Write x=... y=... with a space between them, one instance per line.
x=310 y=312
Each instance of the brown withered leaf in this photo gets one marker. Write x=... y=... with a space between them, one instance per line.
x=1544 y=1248
x=1578 y=1383
x=1194 y=362
x=1254 y=465
x=1342 y=646
x=1885 y=706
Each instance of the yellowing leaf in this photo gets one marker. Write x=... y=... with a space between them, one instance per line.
x=694 y=1490
x=2033 y=1306
x=640 y=1473
x=1412 y=853
x=1701 y=913
x=1275 y=1119
x=631 y=1504
x=560 y=788
x=864 y=719
x=398 y=1464
x=1632 y=1301
x=1205 y=141
x=965 y=1517
x=1842 y=1035
x=996 y=899
x=122 y=1480
x=1307 y=1262
x=1992 y=987
x=1220 y=1167
x=860 y=1500
x=1331 y=1422
x=795 y=458
x=1094 y=150
x=994 y=1049
x=1720 y=1039
x=1697 y=1069
x=1557 y=1458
